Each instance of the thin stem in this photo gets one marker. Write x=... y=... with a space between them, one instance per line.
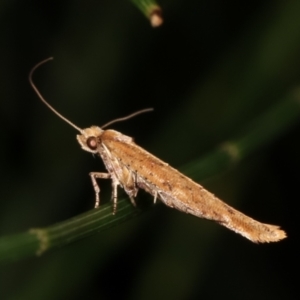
x=260 y=133
x=151 y=10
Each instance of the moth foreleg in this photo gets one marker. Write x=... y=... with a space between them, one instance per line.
x=96 y=187
x=115 y=196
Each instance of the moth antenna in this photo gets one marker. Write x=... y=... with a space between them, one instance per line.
x=128 y=117
x=43 y=99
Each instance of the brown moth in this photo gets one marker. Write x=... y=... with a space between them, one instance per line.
x=132 y=168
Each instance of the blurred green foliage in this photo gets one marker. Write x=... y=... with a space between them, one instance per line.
x=212 y=68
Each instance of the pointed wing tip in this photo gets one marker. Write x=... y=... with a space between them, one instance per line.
x=274 y=234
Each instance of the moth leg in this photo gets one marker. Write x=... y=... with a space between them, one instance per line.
x=132 y=201
x=129 y=184
x=155 y=197
x=115 y=196
x=96 y=187
x=148 y=188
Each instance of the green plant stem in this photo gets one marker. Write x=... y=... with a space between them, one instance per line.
x=260 y=133
x=151 y=10
x=38 y=240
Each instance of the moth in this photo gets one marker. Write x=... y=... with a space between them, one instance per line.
x=132 y=168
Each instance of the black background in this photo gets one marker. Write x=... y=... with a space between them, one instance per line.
x=208 y=71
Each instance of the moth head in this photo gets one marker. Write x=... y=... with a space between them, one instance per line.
x=89 y=138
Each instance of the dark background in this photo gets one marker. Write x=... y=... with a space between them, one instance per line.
x=208 y=71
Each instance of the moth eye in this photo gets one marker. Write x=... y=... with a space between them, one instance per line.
x=92 y=143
